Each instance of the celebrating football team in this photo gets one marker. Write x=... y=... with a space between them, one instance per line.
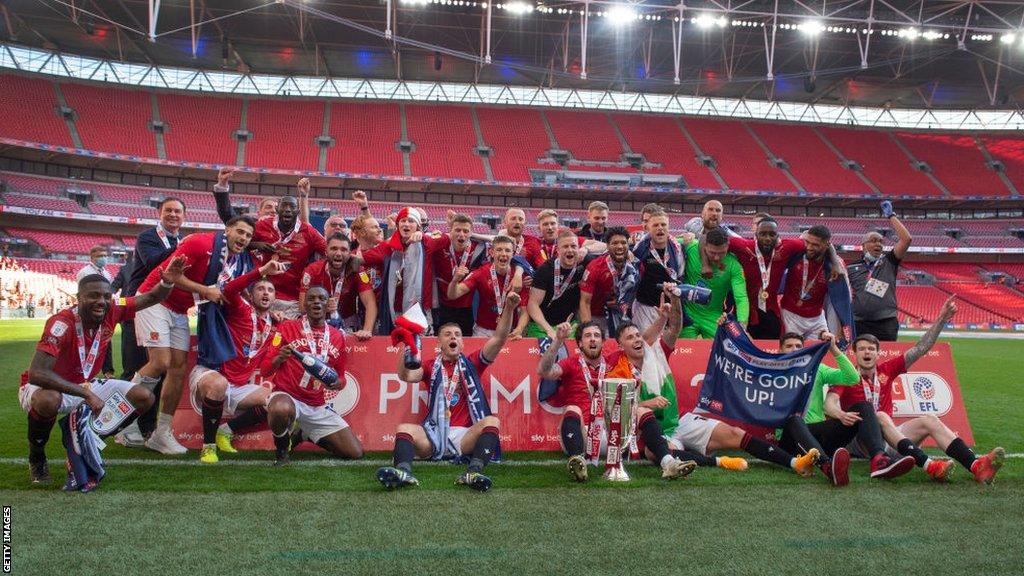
x=281 y=305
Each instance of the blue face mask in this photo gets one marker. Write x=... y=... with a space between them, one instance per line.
x=870 y=258
x=101 y=261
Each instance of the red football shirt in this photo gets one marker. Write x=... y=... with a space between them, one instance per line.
x=743 y=249
x=197 y=249
x=431 y=245
x=887 y=372
x=487 y=307
x=319 y=274
x=573 y=390
x=249 y=331
x=791 y=292
x=598 y=282
x=459 y=406
x=60 y=340
x=305 y=243
x=445 y=262
x=289 y=375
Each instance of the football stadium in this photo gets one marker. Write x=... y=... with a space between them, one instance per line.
x=516 y=287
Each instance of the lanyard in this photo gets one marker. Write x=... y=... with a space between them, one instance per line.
x=229 y=263
x=805 y=288
x=664 y=262
x=874 y=393
x=499 y=294
x=288 y=238
x=258 y=337
x=449 y=386
x=548 y=251
x=461 y=260
x=86 y=361
x=871 y=268
x=560 y=288
x=595 y=397
x=766 y=271
x=162 y=234
x=307 y=333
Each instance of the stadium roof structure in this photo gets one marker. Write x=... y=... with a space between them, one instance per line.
x=888 y=54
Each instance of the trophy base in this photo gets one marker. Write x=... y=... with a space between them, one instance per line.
x=616 y=474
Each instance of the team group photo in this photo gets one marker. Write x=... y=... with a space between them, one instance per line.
x=266 y=306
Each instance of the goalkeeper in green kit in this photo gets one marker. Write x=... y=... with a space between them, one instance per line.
x=726 y=276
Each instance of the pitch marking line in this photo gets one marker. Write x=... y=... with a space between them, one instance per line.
x=326 y=463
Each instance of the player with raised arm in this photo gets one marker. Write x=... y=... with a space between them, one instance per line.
x=287 y=238
x=877 y=380
x=491 y=283
x=298 y=396
x=459 y=422
x=234 y=386
x=67 y=360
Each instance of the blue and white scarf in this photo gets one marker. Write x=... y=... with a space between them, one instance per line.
x=405 y=264
x=436 y=424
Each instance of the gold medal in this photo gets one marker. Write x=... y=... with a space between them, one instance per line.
x=764 y=295
x=447 y=414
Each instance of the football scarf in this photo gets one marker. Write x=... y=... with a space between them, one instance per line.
x=436 y=424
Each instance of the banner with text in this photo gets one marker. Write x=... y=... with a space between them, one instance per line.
x=374 y=401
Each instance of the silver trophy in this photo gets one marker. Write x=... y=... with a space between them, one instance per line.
x=619 y=405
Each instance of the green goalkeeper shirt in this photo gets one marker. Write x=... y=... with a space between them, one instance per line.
x=722 y=282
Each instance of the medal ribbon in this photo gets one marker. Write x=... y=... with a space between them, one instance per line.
x=86 y=361
x=307 y=333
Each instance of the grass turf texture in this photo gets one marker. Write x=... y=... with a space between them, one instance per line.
x=312 y=519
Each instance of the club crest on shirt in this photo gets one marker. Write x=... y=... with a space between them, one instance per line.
x=364 y=277
x=58 y=328
x=306 y=279
x=154 y=336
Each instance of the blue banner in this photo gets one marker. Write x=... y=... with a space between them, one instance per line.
x=745 y=383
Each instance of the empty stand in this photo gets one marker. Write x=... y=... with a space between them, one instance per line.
x=445 y=140
x=63 y=242
x=918 y=302
x=42 y=202
x=112 y=119
x=661 y=141
x=517 y=138
x=29 y=111
x=957 y=162
x=884 y=163
x=588 y=135
x=1009 y=151
x=812 y=163
x=284 y=133
x=200 y=128
x=365 y=135
x=738 y=158
x=993 y=297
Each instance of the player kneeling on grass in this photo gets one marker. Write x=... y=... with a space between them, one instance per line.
x=234 y=386
x=459 y=422
x=582 y=429
x=70 y=354
x=876 y=387
x=298 y=396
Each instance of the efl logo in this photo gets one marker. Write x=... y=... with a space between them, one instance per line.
x=921 y=394
x=344 y=401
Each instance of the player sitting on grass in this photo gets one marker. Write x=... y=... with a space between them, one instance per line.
x=459 y=422
x=812 y=430
x=876 y=387
x=69 y=357
x=298 y=397
x=234 y=385
x=582 y=429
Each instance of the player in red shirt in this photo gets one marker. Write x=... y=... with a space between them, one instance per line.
x=70 y=354
x=805 y=288
x=405 y=271
x=235 y=385
x=599 y=296
x=297 y=396
x=492 y=282
x=459 y=422
x=345 y=284
x=764 y=260
x=876 y=387
x=286 y=238
x=163 y=330
x=523 y=244
x=462 y=253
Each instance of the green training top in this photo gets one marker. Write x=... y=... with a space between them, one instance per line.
x=845 y=375
x=722 y=281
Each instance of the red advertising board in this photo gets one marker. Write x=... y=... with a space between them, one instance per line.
x=374 y=401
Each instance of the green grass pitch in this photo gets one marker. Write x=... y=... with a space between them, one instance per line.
x=314 y=518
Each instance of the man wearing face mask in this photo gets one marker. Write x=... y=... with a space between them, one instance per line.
x=873 y=280
x=97 y=264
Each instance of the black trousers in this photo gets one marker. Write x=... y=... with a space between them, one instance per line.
x=768 y=326
x=885 y=330
x=829 y=434
x=461 y=316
